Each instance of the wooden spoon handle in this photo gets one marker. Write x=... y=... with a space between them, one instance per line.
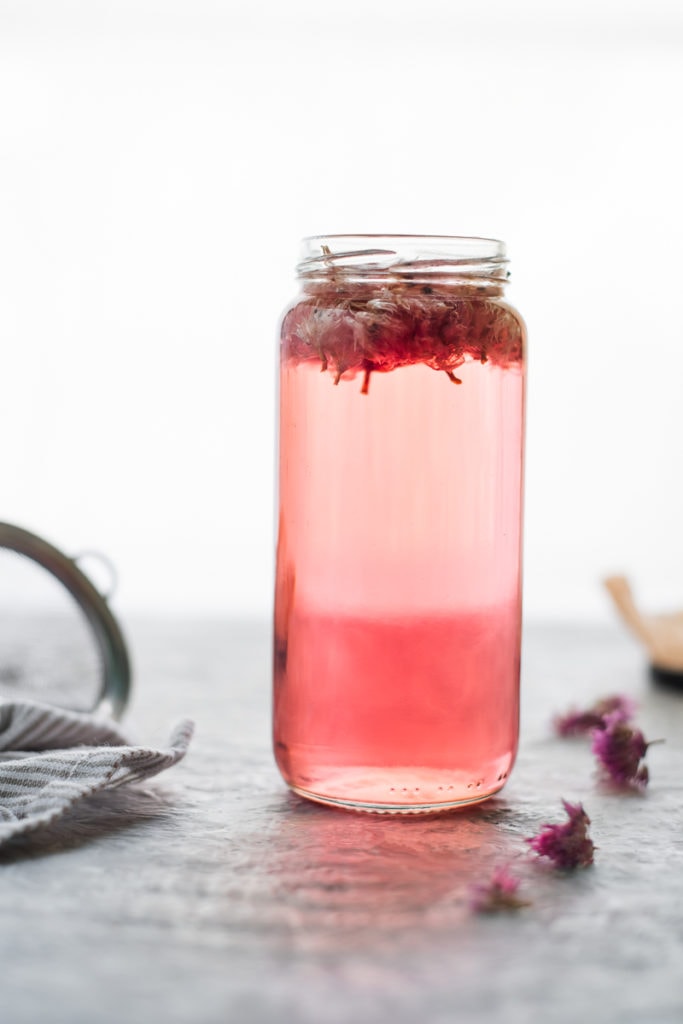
x=620 y=592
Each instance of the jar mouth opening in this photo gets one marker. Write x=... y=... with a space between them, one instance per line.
x=402 y=256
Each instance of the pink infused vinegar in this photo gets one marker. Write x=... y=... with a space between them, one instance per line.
x=412 y=699
x=397 y=615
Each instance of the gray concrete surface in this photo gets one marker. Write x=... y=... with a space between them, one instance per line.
x=216 y=896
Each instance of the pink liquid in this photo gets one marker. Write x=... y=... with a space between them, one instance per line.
x=398 y=593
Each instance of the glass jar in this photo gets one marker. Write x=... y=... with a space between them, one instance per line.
x=398 y=599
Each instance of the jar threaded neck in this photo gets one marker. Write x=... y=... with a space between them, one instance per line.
x=447 y=259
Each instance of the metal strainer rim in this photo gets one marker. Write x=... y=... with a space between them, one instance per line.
x=116 y=670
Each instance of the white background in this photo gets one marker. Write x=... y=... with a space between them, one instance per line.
x=159 y=161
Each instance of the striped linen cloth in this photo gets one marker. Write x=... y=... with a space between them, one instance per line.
x=51 y=758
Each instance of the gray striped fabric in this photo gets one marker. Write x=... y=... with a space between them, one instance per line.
x=50 y=759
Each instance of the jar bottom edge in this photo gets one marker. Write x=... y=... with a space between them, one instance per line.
x=403 y=810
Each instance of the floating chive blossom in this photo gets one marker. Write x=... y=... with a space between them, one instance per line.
x=568 y=845
x=580 y=723
x=497 y=895
x=355 y=330
x=619 y=750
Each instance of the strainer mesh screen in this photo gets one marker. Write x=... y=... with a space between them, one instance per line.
x=47 y=648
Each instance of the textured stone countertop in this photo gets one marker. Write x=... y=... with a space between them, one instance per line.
x=226 y=899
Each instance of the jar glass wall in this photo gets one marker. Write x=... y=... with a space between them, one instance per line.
x=398 y=601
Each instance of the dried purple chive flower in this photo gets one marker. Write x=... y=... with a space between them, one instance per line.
x=619 y=750
x=568 y=846
x=578 y=723
x=498 y=894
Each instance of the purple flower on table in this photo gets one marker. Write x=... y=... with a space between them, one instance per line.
x=567 y=845
x=579 y=723
x=500 y=893
x=619 y=750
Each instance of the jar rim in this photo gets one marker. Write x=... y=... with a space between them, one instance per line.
x=397 y=255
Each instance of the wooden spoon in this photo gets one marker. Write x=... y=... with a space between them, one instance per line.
x=661 y=635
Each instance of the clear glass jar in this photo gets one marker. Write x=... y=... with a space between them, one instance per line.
x=398 y=599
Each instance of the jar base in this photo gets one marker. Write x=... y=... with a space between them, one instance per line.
x=382 y=792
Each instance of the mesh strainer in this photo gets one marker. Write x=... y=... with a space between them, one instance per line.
x=59 y=641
